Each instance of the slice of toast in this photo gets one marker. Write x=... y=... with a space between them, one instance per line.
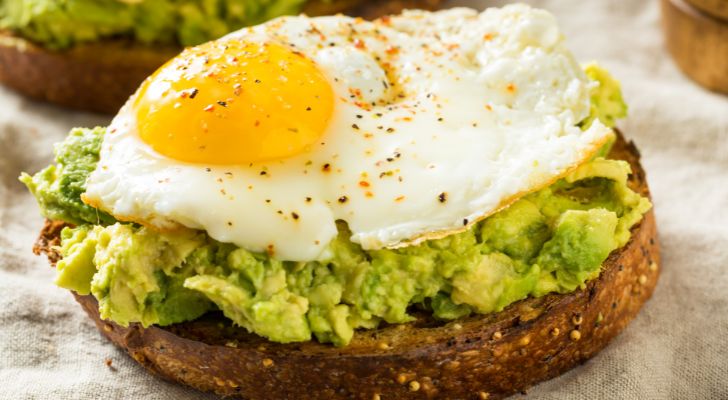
x=480 y=357
x=100 y=76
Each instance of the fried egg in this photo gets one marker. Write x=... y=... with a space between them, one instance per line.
x=408 y=128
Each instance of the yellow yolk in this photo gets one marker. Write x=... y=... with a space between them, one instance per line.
x=233 y=102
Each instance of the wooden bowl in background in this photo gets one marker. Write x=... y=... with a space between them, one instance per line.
x=696 y=34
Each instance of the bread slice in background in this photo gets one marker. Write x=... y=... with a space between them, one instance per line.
x=100 y=76
x=479 y=357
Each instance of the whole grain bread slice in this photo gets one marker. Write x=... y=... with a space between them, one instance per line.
x=100 y=76
x=479 y=357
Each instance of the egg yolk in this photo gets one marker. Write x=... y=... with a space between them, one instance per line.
x=234 y=102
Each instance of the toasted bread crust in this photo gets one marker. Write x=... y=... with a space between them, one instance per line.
x=484 y=356
x=93 y=77
x=101 y=76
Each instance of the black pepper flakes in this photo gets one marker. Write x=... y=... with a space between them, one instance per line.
x=326 y=167
x=343 y=199
x=295 y=215
x=222 y=103
x=355 y=126
x=465 y=222
x=442 y=197
x=193 y=93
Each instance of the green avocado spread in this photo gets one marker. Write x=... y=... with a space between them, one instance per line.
x=59 y=24
x=550 y=241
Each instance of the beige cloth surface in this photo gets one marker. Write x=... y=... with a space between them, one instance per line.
x=675 y=349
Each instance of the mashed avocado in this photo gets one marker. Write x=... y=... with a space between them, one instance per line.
x=59 y=24
x=549 y=241
x=607 y=104
x=553 y=240
x=59 y=186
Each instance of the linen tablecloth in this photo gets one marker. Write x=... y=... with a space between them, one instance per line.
x=677 y=348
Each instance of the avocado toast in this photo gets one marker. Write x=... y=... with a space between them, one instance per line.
x=421 y=288
x=427 y=358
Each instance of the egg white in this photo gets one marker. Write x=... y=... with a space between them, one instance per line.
x=476 y=111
